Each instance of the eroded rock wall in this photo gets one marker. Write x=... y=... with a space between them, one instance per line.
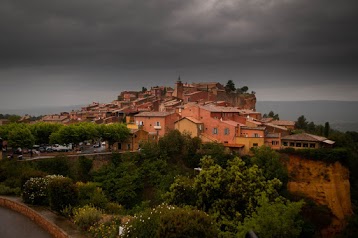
x=326 y=184
x=243 y=101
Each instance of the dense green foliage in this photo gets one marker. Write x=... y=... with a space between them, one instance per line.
x=270 y=162
x=274 y=220
x=229 y=194
x=237 y=194
x=271 y=114
x=35 y=191
x=62 y=193
x=91 y=194
x=86 y=216
x=26 y=135
x=170 y=221
x=230 y=86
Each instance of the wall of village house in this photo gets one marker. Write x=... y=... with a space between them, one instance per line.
x=251 y=124
x=150 y=122
x=215 y=128
x=188 y=126
x=272 y=129
x=133 y=142
x=170 y=121
x=252 y=133
x=303 y=144
x=165 y=123
x=249 y=142
x=196 y=97
x=273 y=143
x=193 y=111
x=239 y=119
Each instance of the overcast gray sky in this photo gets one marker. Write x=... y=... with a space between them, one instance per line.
x=57 y=53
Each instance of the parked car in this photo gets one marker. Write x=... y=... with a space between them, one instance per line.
x=49 y=149
x=42 y=149
x=18 y=151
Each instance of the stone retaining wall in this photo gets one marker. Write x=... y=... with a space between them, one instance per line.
x=51 y=228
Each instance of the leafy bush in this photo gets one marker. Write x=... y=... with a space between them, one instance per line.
x=86 y=216
x=35 y=191
x=5 y=190
x=57 y=165
x=107 y=229
x=170 y=221
x=83 y=167
x=182 y=192
x=91 y=194
x=62 y=193
x=277 y=219
x=114 y=208
x=30 y=173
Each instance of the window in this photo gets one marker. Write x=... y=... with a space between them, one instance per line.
x=285 y=143
x=274 y=142
x=298 y=145
x=157 y=123
x=256 y=135
x=128 y=146
x=305 y=144
x=292 y=144
x=226 y=131
x=119 y=146
x=141 y=123
x=255 y=144
x=215 y=131
x=312 y=145
x=200 y=127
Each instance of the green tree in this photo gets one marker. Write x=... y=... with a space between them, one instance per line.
x=327 y=129
x=230 y=86
x=42 y=131
x=117 y=132
x=229 y=194
x=182 y=192
x=269 y=161
x=21 y=137
x=62 y=193
x=121 y=183
x=273 y=115
x=273 y=220
x=244 y=89
x=301 y=123
x=311 y=127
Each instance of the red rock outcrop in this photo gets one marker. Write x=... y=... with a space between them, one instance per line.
x=326 y=184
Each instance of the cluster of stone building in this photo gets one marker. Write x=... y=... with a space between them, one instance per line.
x=205 y=110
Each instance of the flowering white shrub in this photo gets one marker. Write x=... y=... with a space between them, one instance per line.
x=35 y=191
x=170 y=221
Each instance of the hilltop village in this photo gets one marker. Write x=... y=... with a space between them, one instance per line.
x=208 y=110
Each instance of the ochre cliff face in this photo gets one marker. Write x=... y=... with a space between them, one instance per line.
x=243 y=101
x=326 y=184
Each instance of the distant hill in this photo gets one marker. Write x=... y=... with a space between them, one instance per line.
x=342 y=115
x=37 y=111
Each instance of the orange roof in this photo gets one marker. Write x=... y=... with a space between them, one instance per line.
x=234 y=145
x=283 y=123
x=153 y=114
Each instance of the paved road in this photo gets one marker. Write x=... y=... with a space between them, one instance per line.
x=15 y=225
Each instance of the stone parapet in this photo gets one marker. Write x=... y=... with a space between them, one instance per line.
x=51 y=228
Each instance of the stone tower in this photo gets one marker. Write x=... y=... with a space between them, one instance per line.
x=179 y=89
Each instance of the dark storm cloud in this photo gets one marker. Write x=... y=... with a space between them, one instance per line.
x=160 y=33
x=79 y=51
